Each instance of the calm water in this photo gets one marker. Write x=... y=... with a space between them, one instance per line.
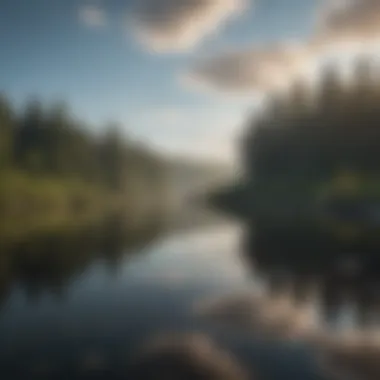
x=68 y=305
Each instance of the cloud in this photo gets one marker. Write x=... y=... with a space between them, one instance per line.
x=341 y=25
x=93 y=16
x=252 y=69
x=179 y=25
x=349 y=20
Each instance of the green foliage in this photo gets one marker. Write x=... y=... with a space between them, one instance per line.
x=309 y=136
x=312 y=158
x=52 y=168
x=47 y=260
x=6 y=120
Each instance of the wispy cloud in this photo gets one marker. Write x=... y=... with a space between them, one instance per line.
x=179 y=25
x=92 y=16
x=341 y=24
x=245 y=70
x=350 y=20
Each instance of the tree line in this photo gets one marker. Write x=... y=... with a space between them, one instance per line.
x=311 y=159
x=51 y=159
x=50 y=141
x=313 y=133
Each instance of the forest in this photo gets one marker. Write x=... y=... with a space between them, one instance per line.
x=313 y=134
x=311 y=156
x=54 y=169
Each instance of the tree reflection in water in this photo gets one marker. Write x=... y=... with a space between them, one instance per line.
x=314 y=294
x=342 y=276
x=47 y=263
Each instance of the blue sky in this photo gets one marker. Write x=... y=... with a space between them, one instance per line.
x=91 y=53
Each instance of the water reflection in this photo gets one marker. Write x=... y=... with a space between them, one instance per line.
x=310 y=293
x=347 y=281
x=187 y=356
x=77 y=303
x=80 y=302
x=47 y=263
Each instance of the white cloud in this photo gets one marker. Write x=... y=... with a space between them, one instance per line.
x=179 y=25
x=252 y=69
x=92 y=16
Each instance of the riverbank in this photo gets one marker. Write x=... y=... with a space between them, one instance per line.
x=30 y=205
x=56 y=172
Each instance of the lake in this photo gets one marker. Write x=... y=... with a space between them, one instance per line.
x=78 y=305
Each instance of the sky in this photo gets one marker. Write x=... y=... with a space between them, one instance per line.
x=180 y=75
